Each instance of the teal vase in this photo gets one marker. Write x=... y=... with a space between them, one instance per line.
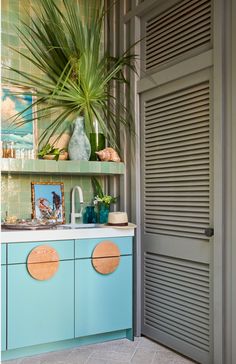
x=79 y=146
x=103 y=211
x=90 y=216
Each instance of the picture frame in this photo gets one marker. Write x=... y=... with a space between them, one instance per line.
x=48 y=201
x=13 y=100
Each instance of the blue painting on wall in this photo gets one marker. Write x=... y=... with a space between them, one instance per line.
x=48 y=201
x=12 y=103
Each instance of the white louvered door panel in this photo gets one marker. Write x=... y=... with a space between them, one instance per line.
x=177 y=198
x=179 y=31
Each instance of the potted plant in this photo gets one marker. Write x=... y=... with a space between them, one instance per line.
x=51 y=152
x=102 y=201
x=75 y=78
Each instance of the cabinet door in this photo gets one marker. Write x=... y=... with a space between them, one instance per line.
x=103 y=303
x=3 y=308
x=40 y=311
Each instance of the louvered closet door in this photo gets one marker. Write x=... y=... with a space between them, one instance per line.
x=176 y=185
x=178 y=32
x=177 y=163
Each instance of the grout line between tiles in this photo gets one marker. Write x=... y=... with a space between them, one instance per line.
x=153 y=357
x=106 y=360
x=133 y=353
x=86 y=361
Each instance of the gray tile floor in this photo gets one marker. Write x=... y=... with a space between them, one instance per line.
x=139 y=351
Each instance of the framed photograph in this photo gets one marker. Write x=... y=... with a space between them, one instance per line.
x=24 y=136
x=48 y=201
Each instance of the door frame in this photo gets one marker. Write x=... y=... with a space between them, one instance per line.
x=218 y=189
x=218 y=175
x=130 y=14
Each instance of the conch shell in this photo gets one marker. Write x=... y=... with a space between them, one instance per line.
x=108 y=154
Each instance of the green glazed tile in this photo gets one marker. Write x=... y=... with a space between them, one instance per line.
x=4 y=39
x=105 y=167
x=3 y=210
x=5 y=26
x=74 y=166
x=67 y=194
x=25 y=196
x=15 y=6
x=11 y=164
x=95 y=167
x=12 y=185
x=48 y=170
x=43 y=178
x=55 y=178
x=67 y=206
x=28 y=166
x=13 y=20
x=83 y=166
x=25 y=185
x=4 y=199
x=67 y=166
x=39 y=166
x=15 y=63
x=5 y=164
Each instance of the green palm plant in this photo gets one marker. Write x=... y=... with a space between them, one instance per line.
x=64 y=44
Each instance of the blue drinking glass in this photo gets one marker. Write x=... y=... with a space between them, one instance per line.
x=89 y=216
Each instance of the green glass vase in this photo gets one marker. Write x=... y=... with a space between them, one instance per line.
x=97 y=142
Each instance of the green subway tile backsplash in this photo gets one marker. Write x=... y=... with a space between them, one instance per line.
x=16 y=192
x=16 y=189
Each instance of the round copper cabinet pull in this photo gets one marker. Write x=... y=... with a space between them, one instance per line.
x=106 y=257
x=43 y=262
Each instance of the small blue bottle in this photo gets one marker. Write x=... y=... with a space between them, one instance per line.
x=89 y=216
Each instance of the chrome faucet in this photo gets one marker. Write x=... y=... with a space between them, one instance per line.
x=74 y=214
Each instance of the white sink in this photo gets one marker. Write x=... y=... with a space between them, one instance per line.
x=78 y=226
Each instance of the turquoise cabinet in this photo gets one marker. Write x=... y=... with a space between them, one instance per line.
x=77 y=305
x=3 y=296
x=18 y=252
x=3 y=254
x=40 y=311
x=103 y=302
x=84 y=247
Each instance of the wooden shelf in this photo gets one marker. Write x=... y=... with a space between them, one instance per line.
x=39 y=166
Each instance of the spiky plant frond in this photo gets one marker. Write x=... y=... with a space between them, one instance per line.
x=65 y=46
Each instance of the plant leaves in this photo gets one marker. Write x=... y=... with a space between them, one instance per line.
x=97 y=188
x=73 y=77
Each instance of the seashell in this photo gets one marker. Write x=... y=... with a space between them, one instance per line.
x=10 y=219
x=108 y=154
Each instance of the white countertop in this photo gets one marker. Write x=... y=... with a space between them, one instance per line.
x=15 y=236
